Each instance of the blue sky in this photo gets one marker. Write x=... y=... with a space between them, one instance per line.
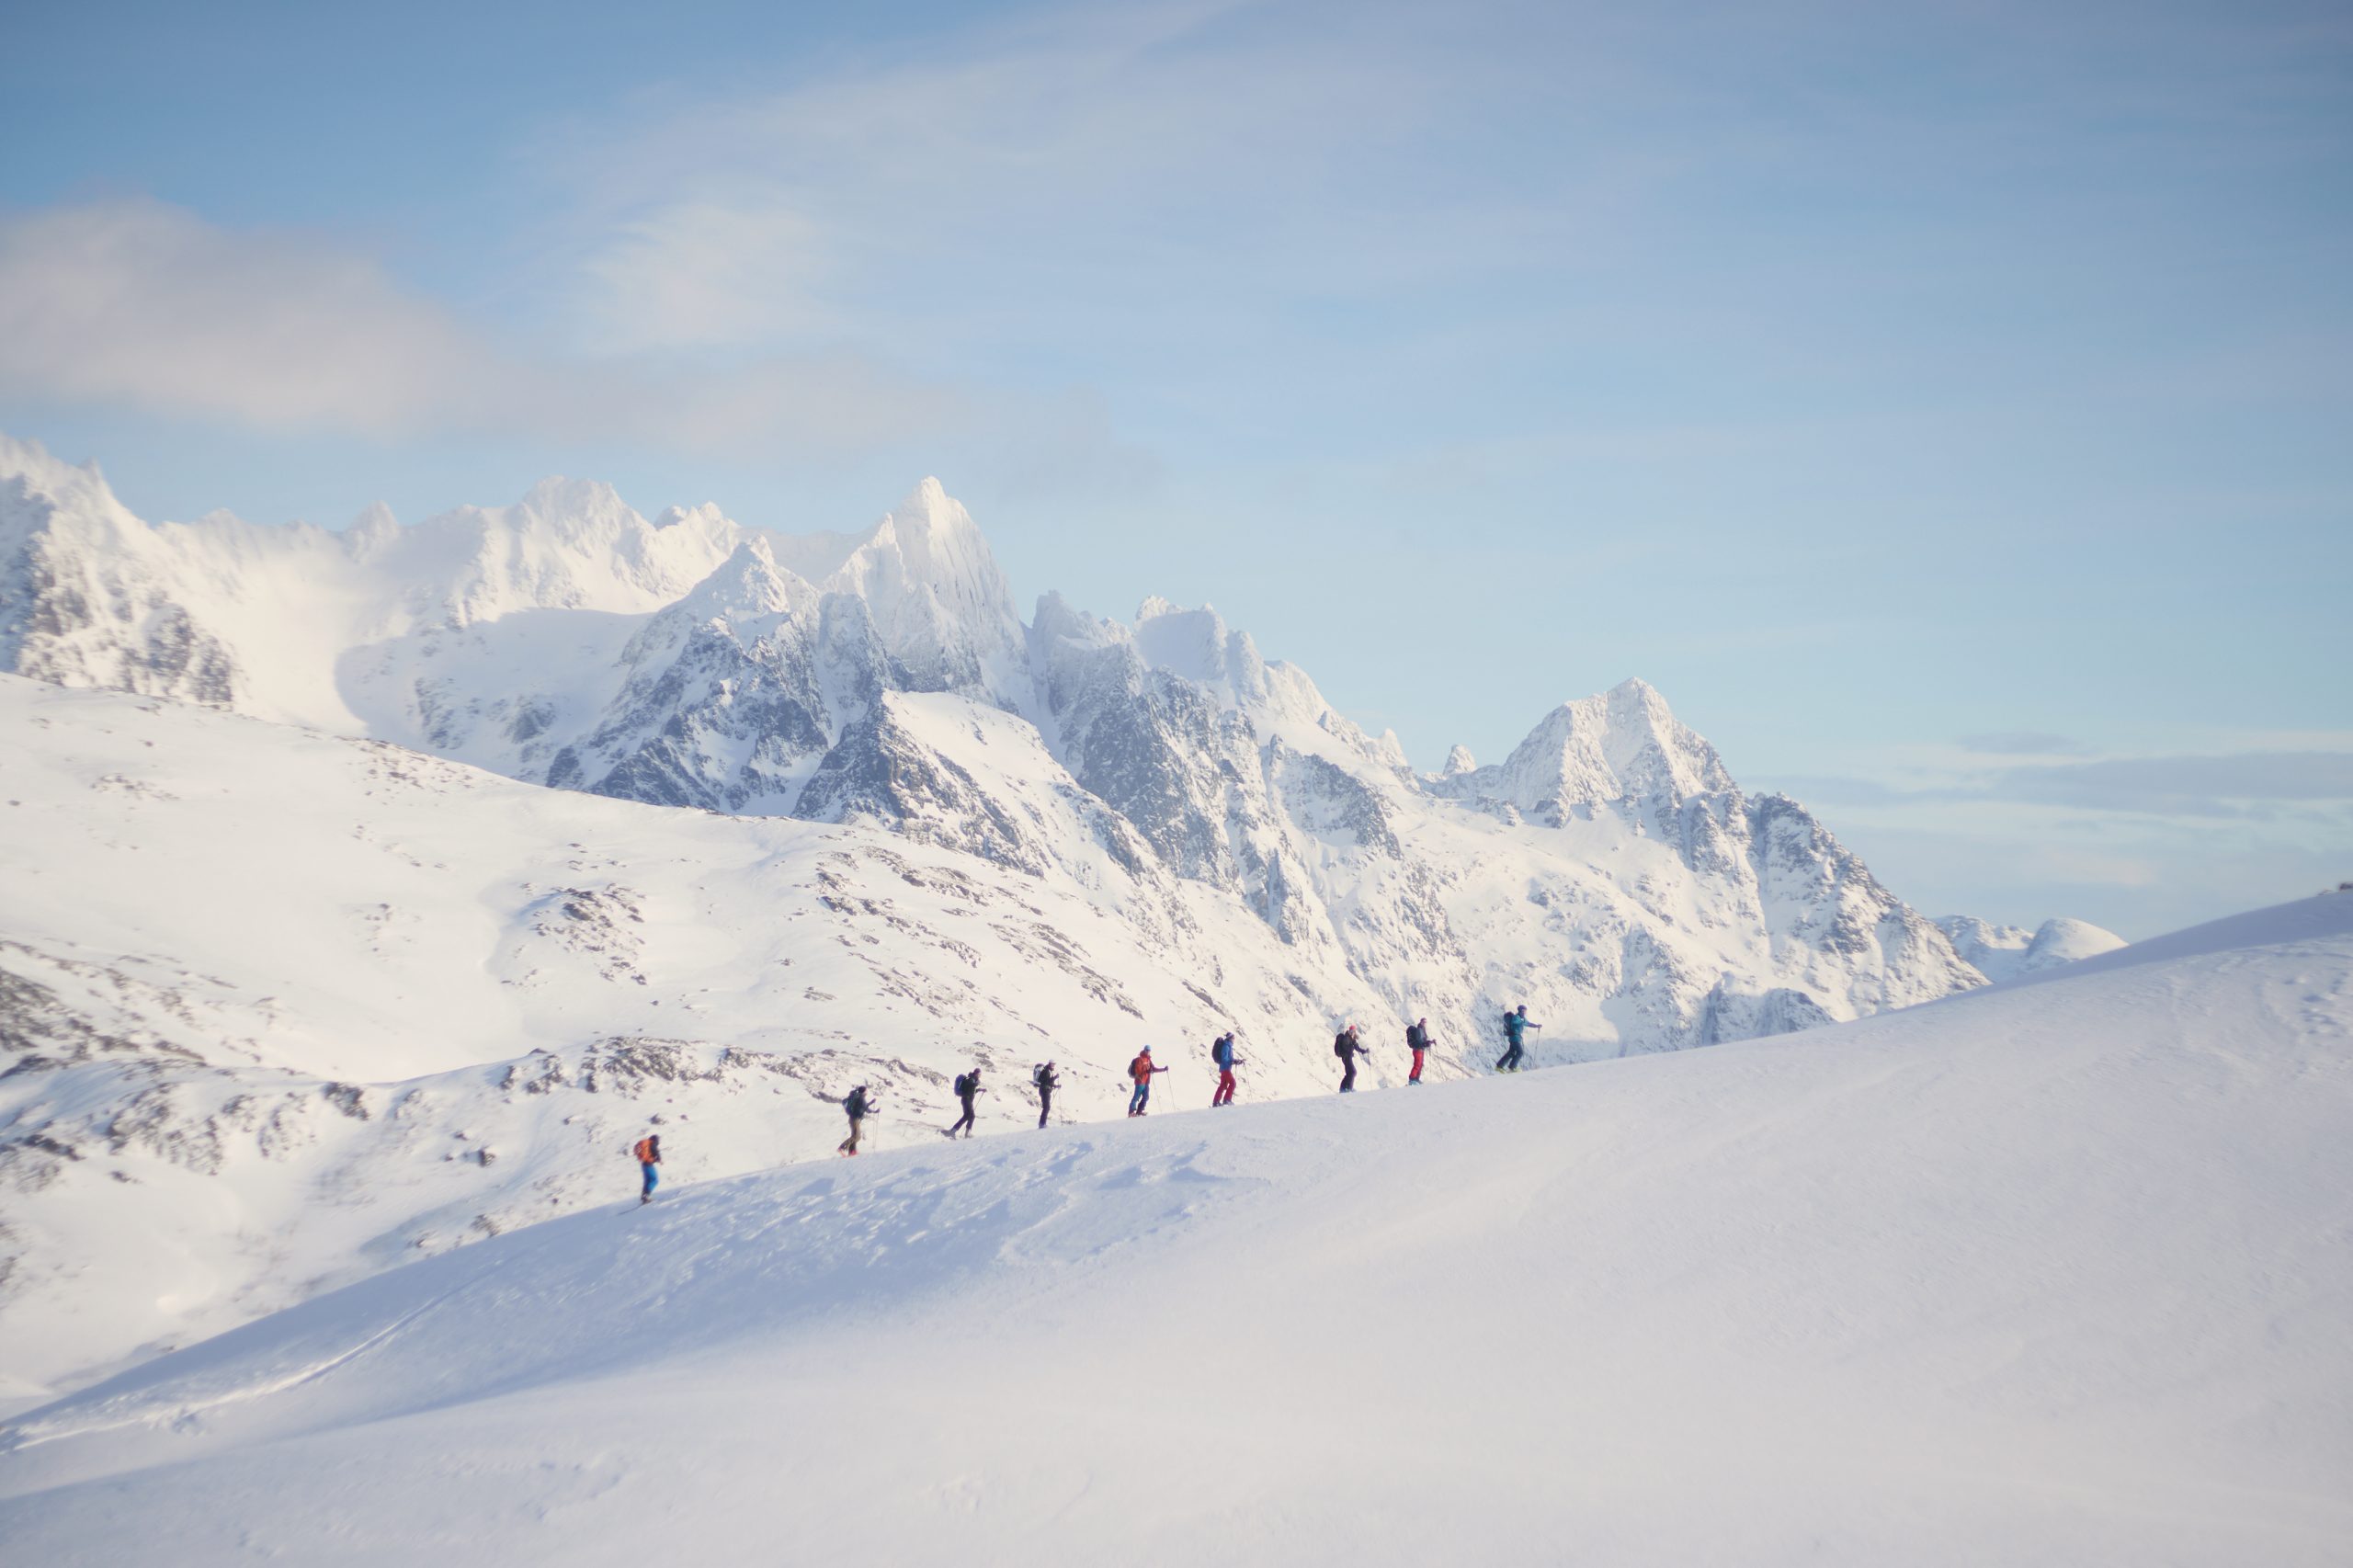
x=1948 y=407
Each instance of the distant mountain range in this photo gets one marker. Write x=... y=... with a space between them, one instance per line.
x=1610 y=872
x=299 y=949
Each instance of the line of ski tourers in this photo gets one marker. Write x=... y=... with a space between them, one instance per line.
x=859 y=1103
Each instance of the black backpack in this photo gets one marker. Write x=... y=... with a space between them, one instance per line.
x=963 y=1083
x=1042 y=1078
x=1340 y=1047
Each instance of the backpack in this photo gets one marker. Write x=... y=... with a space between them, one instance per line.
x=963 y=1083
x=1042 y=1078
x=856 y=1104
x=645 y=1151
x=1340 y=1047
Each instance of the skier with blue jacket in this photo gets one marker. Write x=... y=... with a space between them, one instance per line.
x=1221 y=1053
x=1516 y=1027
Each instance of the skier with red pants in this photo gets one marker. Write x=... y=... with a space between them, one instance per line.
x=1221 y=1053
x=1418 y=1040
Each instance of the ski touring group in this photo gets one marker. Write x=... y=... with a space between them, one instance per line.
x=1347 y=1045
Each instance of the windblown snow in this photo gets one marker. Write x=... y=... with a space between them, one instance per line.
x=2054 y=1273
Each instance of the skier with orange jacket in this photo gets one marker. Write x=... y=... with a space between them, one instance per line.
x=1140 y=1070
x=649 y=1161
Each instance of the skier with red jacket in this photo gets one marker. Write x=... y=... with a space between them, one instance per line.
x=1140 y=1070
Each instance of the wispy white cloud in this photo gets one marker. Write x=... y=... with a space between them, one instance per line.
x=136 y=303
x=1128 y=168
x=2183 y=786
x=705 y=273
x=2137 y=842
x=2021 y=743
x=2229 y=784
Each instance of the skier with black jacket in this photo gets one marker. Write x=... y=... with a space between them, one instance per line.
x=1418 y=1040
x=857 y=1108
x=1047 y=1082
x=1347 y=1048
x=968 y=1085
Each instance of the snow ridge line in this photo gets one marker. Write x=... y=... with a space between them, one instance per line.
x=22 y=1436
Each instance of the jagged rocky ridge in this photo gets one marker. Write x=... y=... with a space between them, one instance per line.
x=1610 y=870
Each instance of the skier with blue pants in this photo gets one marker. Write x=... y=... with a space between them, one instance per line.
x=649 y=1161
x=1140 y=1070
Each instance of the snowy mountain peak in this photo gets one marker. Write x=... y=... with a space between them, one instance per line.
x=1198 y=646
x=90 y=596
x=578 y=507
x=38 y=490
x=1057 y=618
x=1624 y=745
x=932 y=534
x=706 y=517
x=41 y=471
x=747 y=584
x=373 y=530
x=929 y=500
x=2010 y=953
x=1458 y=761
x=934 y=592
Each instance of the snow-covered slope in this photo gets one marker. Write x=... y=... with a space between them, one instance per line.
x=2044 y=1274
x=282 y=1003
x=2008 y=952
x=1610 y=874
x=279 y=1009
